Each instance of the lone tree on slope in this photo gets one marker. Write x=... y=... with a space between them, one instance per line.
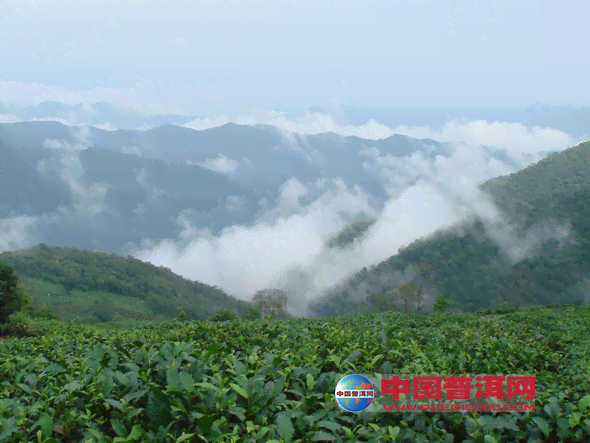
x=408 y=297
x=272 y=301
x=12 y=295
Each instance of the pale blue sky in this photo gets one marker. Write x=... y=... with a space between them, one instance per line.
x=202 y=56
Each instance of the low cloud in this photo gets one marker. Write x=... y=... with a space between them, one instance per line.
x=131 y=150
x=81 y=135
x=88 y=202
x=515 y=138
x=137 y=150
x=9 y=118
x=243 y=259
x=221 y=164
x=152 y=200
x=199 y=124
x=285 y=247
x=105 y=127
x=68 y=167
x=61 y=144
x=14 y=233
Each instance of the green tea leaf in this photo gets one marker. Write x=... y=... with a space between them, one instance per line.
x=348 y=432
x=279 y=386
x=46 y=424
x=310 y=382
x=25 y=388
x=239 y=390
x=186 y=380
x=115 y=404
x=543 y=426
x=374 y=360
x=393 y=432
x=238 y=412
x=329 y=425
x=584 y=403
x=173 y=380
x=285 y=427
x=183 y=437
x=323 y=436
x=119 y=427
x=135 y=433
x=240 y=368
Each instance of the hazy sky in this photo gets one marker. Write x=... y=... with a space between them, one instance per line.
x=208 y=56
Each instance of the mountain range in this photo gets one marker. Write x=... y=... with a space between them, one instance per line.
x=321 y=216
x=100 y=114
x=149 y=184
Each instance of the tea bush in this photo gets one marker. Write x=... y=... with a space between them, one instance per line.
x=274 y=380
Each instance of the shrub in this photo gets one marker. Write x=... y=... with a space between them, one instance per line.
x=505 y=308
x=441 y=304
x=17 y=325
x=484 y=312
x=223 y=315
x=251 y=313
x=42 y=312
x=181 y=317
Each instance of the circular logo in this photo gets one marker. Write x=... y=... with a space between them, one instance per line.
x=354 y=393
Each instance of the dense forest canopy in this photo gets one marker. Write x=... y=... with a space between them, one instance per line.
x=472 y=271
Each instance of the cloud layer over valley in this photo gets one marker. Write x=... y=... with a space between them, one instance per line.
x=247 y=206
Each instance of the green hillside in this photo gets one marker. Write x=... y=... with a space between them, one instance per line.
x=557 y=175
x=93 y=286
x=470 y=270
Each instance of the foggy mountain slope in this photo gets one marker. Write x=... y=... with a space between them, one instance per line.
x=244 y=207
x=71 y=186
x=126 y=198
x=565 y=172
x=538 y=252
x=349 y=234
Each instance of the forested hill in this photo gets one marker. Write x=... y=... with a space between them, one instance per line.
x=85 y=284
x=348 y=234
x=470 y=269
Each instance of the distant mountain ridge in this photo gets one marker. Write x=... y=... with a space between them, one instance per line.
x=141 y=182
x=99 y=113
x=472 y=270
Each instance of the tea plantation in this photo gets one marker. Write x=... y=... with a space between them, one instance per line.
x=274 y=380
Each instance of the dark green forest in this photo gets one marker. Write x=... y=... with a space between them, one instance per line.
x=470 y=270
x=115 y=283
